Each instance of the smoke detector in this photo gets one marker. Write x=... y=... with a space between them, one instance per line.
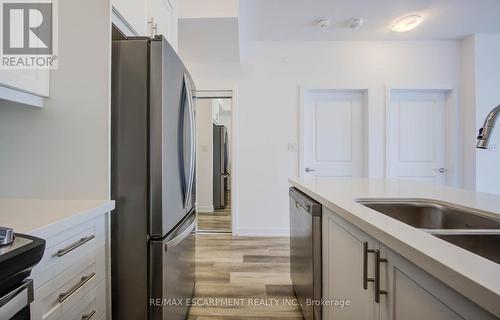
x=323 y=23
x=355 y=23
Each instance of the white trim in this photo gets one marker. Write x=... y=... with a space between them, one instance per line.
x=20 y=97
x=234 y=164
x=453 y=144
x=367 y=121
x=205 y=209
x=262 y=233
x=300 y=168
x=121 y=23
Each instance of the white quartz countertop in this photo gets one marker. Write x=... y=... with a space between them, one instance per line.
x=30 y=215
x=473 y=276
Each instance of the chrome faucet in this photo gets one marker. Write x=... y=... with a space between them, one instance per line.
x=487 y=129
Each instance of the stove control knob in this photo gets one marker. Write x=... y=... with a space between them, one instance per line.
x=6 y=236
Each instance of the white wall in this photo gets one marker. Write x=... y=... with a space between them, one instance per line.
x=204 y=154
x=487 y=96
x=468 y=101
x=268 y=81
x=62 y=150
x=209 y=8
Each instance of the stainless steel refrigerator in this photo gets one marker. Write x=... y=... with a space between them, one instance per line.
x=153 y=181
x=220 y=163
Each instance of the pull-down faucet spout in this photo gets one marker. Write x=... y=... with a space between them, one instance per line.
x=487 y=129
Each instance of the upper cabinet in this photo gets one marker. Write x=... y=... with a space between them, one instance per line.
x=15 y=84
x=164 y=16
x=134 y=13
x=150 y=17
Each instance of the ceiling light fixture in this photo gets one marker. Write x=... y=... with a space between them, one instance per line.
x=323 y=23
x=407 y=23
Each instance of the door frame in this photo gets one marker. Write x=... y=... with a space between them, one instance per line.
x=452 y=128
x=233 y=95
x=367 y=121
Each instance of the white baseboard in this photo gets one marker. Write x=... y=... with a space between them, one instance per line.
x=262 y=232
x=206 y=209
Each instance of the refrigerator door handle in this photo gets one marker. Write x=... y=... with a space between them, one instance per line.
x=192 y=143
x=180 y=142
x=180 y=237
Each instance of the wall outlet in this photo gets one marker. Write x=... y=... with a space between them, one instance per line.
x=293 y=147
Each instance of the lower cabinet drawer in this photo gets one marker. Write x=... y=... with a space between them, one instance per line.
x=66 y=291
x=90 y=307
x=65 y=247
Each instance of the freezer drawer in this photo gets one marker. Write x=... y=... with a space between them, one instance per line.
x=172 y=272
x=305 y=252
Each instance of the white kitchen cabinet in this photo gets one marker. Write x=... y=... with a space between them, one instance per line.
x=151 y=17
x=164 y=15
x=71 y=280
x=414 y=294
x=406 y=291
x=33 y=81
x=343 y=271
x=134 y=13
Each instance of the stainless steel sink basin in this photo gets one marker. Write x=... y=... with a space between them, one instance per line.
x=428 y=215
x=485 y=245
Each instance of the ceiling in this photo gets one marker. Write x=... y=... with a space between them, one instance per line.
x=294 y=20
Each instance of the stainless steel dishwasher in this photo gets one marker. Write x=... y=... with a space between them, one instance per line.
x=305 y=252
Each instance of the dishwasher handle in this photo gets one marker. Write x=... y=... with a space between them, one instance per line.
x=304 y=201
x=304 y=206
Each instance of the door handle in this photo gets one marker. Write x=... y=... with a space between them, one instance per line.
x=179 y=238
x=309 y=170
x=192 y=144
x=83 y=280
x=89 y=316
x=365 y=265
x=378 y=261
x=14 y=301
x=442 y=170
x=75 y=245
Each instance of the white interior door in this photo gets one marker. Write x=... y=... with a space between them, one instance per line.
x=333 y=135
x=416 y=136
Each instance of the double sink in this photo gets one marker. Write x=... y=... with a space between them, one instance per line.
x=467 y=229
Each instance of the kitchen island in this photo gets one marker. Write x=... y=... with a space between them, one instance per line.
x=391 y=270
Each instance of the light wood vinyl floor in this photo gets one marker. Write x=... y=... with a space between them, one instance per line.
x=217 y=221
x=255 y=271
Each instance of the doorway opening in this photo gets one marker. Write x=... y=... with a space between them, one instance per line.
x=214 y=152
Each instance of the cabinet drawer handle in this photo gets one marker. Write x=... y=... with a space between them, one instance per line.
x=365 y=265
x=75 y=245
x=89 y=316
x=65 y=295
x=378 y=261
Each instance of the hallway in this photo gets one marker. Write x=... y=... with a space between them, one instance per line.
x=218 y=221
x=252 y=274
